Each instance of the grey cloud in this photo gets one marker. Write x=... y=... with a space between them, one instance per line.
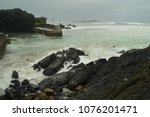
x=103 y=10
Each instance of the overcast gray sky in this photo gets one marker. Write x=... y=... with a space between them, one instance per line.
x=71 y=10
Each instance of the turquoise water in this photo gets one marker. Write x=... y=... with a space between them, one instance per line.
x=95 y=38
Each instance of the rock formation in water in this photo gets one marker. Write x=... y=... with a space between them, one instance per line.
x=16 y=20
x=125 y=77
x=54 y=62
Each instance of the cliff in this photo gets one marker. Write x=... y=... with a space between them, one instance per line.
x=16 y=20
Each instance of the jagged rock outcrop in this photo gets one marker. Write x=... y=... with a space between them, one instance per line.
x=16 y=20
x=125 y=77
x=54 y=62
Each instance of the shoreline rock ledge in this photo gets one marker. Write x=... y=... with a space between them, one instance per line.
x=4 y=40
x=54 y=62
x=119 y=78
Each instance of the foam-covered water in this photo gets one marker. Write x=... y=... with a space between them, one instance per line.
x=98 y=40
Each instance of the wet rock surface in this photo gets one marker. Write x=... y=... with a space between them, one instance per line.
x=54 y=62
x=125 y=77
x=17 y=90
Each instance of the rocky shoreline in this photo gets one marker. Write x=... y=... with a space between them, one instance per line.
x=4 y=40
x=123 y=78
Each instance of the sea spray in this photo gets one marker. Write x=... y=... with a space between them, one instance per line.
x=95 y=39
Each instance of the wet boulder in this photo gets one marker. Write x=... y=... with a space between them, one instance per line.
x=122 y=52
x=14 y=84
x=25 y=83
x=36 y=66
x=82 y=77
x=73 y=54
x=15 y=75
x=54 y=67
x=44 y=63
x=56 y=81
x=54 y=62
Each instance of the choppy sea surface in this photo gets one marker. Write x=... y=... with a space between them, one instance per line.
x=97 y=39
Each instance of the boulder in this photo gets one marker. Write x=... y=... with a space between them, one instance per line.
x=55 y=82
x=36 y=66
x=54 y=62
x=14 y=84
x=14 y=93
x=82 y=77
x=122 y=52
x=54 y=67
x=25 y=83
x=73 y=54
x=15 y=75
x=31 y=89
x=44 y=63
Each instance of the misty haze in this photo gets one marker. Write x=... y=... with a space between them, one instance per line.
x=74 y=50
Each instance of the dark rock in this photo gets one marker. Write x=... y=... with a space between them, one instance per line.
x=33 y=88
x=16 y=20
x=44 y=63
x=54 y=67
x=74 y=50
x=82 y=77
x=122 y=52
x=13 y=93
x=124 y=77
x=15 y=75
x=79 y=67
x=67 y=27
x=113 y=62
x=2 y=97
x=36 y=66
x=62 y=26
x=40 y=21
x=56 y=81
x=25 y=83
x=53 y=63
x=14 y=84
x=73 y=54
x=99 y=63
x=71 y=25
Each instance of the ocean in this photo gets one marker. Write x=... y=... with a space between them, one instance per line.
x=96 y=39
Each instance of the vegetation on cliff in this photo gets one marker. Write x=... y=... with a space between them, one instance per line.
x=16 y=20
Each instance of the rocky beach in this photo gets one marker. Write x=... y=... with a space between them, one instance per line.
x=119 y=78
x=91 y=61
